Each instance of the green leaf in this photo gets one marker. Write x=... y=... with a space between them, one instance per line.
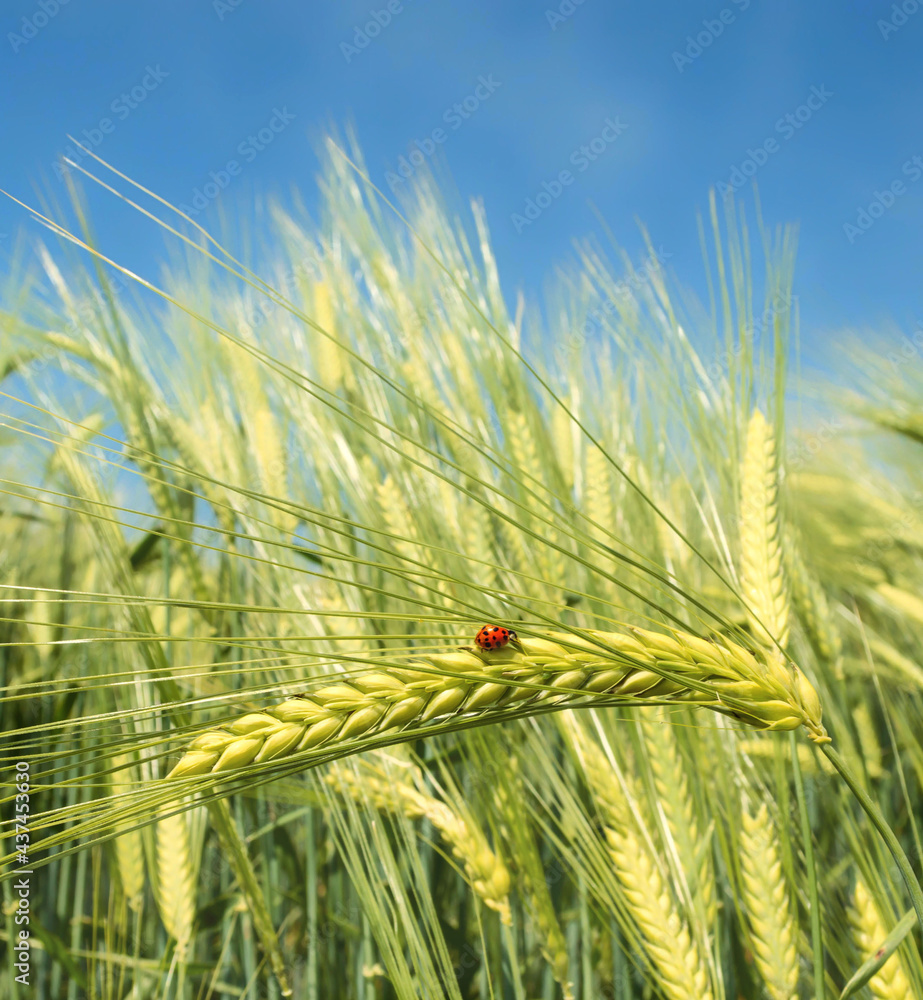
x=868 y=969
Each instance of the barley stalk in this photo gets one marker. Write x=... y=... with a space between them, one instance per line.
x=763 y=581
x=769 y=908
x=757 y=690
x=484 y=869
x=869 y=933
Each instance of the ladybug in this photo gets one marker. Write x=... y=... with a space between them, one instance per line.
x=495 y=637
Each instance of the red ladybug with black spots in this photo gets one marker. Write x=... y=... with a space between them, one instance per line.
x=495 y=637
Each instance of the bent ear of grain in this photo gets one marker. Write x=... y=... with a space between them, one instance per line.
x=756 y=689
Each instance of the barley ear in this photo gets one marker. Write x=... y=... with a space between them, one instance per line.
x=672 y=786
x=810 y=602
x=762 y=577
x=176 y=889
x=757 y=689
x=673 y=954
x=768 y=904
x=129 y=847
x=532 y=878
x=483 y=867
x=869 y=932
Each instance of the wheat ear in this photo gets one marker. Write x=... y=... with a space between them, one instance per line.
x=672 y=952
x=484 y=869
x=762 y=577
x=769 y=908
x=759 y=690
x=869 y=933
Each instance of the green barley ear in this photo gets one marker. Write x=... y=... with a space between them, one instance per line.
x=869 y=933
x=762 y=576
x=670 y=948
x=868 y=739
x=769 y=908
x=672 y=786
x=176 y=888
x=531 y=876
x=810 y=603
x=129 y=847
x=759 y=690
x=484 y=868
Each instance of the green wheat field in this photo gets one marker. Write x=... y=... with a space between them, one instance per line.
x=256 y=508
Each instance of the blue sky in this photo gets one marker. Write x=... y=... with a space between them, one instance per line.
x=665 y=100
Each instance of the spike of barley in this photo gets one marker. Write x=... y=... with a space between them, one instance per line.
x=129 y=848
x=476 y=539
x=484 y=869
x=176 y=887
x=597 y=495
x=532 y=880
x=331 y=360
x=810 y=602
x=869 y=933
x=756 y=689
x=673 y=954
x=672 y=787
x=769 y=908
x=763 y=583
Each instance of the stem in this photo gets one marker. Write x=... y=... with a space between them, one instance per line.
x=817 y=939
x=881 y=824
